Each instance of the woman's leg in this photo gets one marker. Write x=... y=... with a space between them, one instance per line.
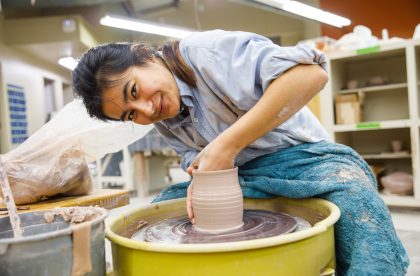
x=366 y=242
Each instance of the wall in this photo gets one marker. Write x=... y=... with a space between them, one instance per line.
x=21 y=69
x=399 y=17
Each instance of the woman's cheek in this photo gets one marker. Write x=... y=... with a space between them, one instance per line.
x=143 y=121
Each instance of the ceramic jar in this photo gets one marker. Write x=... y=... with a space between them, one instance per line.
x=217 y=200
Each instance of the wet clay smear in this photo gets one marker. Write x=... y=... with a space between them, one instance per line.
x=257 y=224
x=74 y=215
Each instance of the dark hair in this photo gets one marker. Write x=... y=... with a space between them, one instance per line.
x=99 y=66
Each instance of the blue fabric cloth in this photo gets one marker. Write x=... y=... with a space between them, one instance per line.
x=366 y=242
x=233 y=70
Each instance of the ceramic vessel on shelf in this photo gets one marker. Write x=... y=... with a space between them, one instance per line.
x=217 y=200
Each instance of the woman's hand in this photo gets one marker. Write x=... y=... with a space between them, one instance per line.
x=189 y=204
x=214 y=157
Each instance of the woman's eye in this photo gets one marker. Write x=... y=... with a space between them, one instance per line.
x=130 y=116
x=134 y=91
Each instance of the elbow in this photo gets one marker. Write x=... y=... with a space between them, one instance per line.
x=321 y=78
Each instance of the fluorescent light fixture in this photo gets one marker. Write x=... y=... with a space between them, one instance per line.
x=143 y=26
x=307 y=11
x=68 y=62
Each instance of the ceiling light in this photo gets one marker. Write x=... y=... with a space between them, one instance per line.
x=307 y=11
x=143 y=26
x=68 y=62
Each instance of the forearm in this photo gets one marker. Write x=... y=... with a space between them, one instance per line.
x=282 y=99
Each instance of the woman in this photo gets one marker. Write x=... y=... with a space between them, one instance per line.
x=224 y=99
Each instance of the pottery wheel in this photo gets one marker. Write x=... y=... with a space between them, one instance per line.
x=257 y=224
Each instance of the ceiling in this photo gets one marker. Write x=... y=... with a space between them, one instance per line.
x=36 y=26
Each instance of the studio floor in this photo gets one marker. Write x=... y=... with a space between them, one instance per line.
x=406 y=221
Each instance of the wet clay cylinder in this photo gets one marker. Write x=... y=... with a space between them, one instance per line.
x=217 y=200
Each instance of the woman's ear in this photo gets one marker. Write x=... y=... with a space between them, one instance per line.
x=156 y=59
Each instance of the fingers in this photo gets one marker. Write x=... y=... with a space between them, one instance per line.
x=193 y=166
x=190 y=212
x=189 y=170
x=189 y=204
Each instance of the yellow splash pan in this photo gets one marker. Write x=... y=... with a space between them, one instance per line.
x=307 y=252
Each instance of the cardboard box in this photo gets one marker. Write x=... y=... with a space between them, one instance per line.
x=348 y=109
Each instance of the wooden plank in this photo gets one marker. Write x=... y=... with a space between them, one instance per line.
x=106 y=198
x=373 y=125
x=374 y=88
x=402 y=201
x=387 y=155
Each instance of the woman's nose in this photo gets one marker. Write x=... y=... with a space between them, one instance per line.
x=145 y=107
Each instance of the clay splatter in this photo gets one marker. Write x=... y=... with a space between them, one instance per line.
x=283 y=112
x=74 y=215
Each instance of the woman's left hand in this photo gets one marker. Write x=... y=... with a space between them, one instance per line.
x=214 y=157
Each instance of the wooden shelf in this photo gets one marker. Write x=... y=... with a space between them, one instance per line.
x=387 y=155
x=401 y=201
x=378 y=51
x=373 y=125
x=415 y=42
x=376 y=88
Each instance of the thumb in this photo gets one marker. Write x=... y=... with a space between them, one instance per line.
x=193 y=166
x=189 y=170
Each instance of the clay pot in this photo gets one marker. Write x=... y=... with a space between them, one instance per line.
x=217 y=200
x=396 y=145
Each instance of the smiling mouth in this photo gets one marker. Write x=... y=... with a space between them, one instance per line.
x=162 y=106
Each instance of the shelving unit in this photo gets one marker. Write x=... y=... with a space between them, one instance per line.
x=390 y=110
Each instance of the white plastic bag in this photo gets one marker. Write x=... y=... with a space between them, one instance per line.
x=361 y=37
x=54 y=159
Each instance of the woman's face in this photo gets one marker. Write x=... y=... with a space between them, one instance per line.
x=146 y=94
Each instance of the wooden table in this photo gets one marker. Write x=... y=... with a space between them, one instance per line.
x=106 y=198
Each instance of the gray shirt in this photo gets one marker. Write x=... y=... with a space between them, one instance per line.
x=233 y=69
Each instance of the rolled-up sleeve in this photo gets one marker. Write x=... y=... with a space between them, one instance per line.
x=242 y=64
